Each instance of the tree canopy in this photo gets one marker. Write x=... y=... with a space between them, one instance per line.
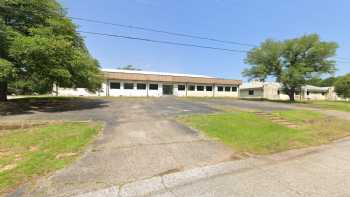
x=327 y=82
x=291 y=62
x=40 y=44
x=342 y=86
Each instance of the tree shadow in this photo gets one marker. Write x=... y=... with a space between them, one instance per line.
x=30 y=105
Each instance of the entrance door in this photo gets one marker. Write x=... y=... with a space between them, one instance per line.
x=168 y=89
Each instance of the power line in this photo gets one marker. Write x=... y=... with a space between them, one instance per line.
x=164 y=32
x=342 y=59
x=164 y=42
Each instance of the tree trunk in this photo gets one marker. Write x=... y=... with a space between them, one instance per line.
x=291 y=95
x=3 y=91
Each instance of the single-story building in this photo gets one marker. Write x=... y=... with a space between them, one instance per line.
x=144 y=83
x=273 y=91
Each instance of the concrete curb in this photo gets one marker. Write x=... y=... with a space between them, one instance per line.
x=163 y=184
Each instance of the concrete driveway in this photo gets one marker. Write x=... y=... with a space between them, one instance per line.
x=143 y=142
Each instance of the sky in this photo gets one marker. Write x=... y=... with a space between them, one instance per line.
x=244 y=21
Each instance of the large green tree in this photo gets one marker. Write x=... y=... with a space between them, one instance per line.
x=291 y=62
x=327 y=82
x=342 y=86
x=39 y=43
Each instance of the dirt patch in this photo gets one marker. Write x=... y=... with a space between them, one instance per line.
x=23 y=125
x=64 y=155
x=277 y=119
x=8 y=167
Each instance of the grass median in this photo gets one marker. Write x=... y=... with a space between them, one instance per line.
x=250 y=133
x=26 y=154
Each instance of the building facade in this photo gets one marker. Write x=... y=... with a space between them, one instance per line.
x=132 y=83
x=274 y=91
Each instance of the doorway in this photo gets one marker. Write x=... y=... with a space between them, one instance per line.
x=168 y=89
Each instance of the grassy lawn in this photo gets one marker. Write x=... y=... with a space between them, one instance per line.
x=26 y=154
x=335 y=105
x=247 y=132
x=322 y=128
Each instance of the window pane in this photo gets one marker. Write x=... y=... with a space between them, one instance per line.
x=234 y=89
x=128 y=86
x=181 y=87
x=227 y=89
x=153 y=86
x=192 y=88
x=251 y=92
x=220 y=88
x=200 y=88
x=209 y=88
x=114 y=85
x=141 y=86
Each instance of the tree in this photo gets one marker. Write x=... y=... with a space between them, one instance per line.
x=291 y=62
x=327 y=82
x=40 y=44
x=129 y=67
x=342 y=86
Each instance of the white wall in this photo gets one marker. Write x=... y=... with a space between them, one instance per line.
x=79 y=91
x=148 y=92
x=258 y=93
x=224 y=93
x=135 y=92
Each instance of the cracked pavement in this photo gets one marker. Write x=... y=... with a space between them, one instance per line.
x=313 y=172
x=144 y=151
x=141 y=140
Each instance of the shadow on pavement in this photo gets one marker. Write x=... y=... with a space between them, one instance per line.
x=49 y=104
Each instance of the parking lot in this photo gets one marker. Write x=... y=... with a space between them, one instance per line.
x=141 y=140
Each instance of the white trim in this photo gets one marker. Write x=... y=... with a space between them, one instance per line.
x=154 y=73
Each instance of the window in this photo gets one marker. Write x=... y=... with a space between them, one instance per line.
x=192 y=88
x=234 y=89
x=323 y=93
x=209 y=88
x=200 y=88
x=114 y=85
x=153 y=86
x=308 y=93
x=181 y=87
x=141 y=86
x=227 y=89
x=278 y=92
x=220 y=88
x=128 y=86
x=251 y=92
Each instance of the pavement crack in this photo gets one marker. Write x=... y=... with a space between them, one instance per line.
x=167 y=188
x=162 y=143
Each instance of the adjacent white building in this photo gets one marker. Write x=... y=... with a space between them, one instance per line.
x=273 y=91
x=155 y=84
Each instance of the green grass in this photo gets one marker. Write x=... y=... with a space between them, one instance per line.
x=335 y=105
x=300 y=116
x=324 y=129
x=247 y=132
x=26 y=154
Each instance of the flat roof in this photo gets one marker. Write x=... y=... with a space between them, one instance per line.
x=135 y=75
x=153 y=73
